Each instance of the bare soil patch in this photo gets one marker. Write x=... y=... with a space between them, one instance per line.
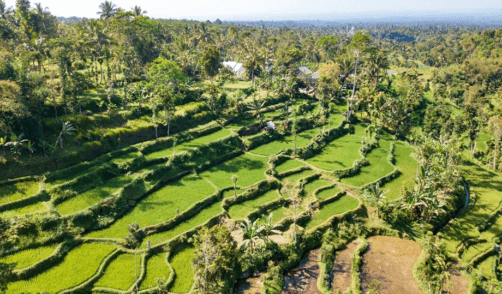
x=341 y=269
x=458 y=283
x=303 y=279
x=250 y=286
x=390 y=261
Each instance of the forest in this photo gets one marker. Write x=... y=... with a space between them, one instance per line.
x=144 y=155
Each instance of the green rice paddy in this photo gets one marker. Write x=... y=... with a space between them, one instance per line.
x=119 y=274
x=18 y=191
x=241 y=211
x=29 y=257
x=156 y=268
x=181 y=263
x=288 y=165
x=343 y=204
x=302 y=140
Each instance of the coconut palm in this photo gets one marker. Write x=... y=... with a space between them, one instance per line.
x=107 y=10
x=269 y=227
x=138 y=11
x=257 y=107
x=376 y=195
x=251 y=234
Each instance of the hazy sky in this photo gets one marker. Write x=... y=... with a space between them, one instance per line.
x=271 y=9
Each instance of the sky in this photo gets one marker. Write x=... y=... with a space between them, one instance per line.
x=275 y=9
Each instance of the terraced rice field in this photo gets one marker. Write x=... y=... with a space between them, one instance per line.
x=79 y=265
x=379 y=167
x=302 y=140
x=240 y=211
x=343 y=204
x=189 y=145
x=339 y=154
x=160 y=206
x=407 y=165
x=29 y=257
x=119 y=274
x=18 y=191
x=156 y=268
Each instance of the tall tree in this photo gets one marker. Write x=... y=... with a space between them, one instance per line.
x=107 y=10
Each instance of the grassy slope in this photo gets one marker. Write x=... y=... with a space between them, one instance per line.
x=240 y=211
x=80 y=264
x=288 y=165
x=29 y=257
x=325 y=194
x=302 y=139
x=160 y=206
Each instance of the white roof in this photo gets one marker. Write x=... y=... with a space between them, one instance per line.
x=304 y=70
x=314 y=76
x=235 y=66
x=270 y=124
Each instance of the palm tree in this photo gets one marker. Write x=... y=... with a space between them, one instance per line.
x=269 y=227
x=377 y=195
x=257 y=106
x=138 y=11
x=107 y=10
x=290 y=190
x=67 y=129
x=251 y=234
x=16 y=143
x=234 y=180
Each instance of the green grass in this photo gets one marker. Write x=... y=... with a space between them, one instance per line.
x=379 y=167
x=231 y=193
x=302 y=139
x=93 y=196
x=487 y=267
x=79 y=265
x=119 y=274
x=481 y=141
x=160 y=206
x=293 y=178
x=156 y=268
x=249 y=168
x=235 y=125
x=277 y=215
x=408 y=167
x=341 y=153
x=345 y=203
x=288 y=165
x=238 y=85
x=241 y=211
x=314 y=185
x=29 y=209
x=190 y=144
x=181 y=263
x=335 y=120
x=486 y=185
x=328 y=193
x=474 y=250
x=203 y=216
x=125 y=157
x=29 y=257
x=18 y=191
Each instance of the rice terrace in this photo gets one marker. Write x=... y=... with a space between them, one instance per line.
x=146 y=155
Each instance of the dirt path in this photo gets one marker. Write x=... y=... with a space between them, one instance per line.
x=250 y=286
x=341 y=272
x=303 y=279
x=390 y=261
x=459 y=283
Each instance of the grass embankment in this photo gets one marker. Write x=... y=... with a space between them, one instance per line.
x=18 y=191
x=29 y=209
x=379 y=167
x=29 y=257
x=119 y=274
x=93 y=196
x=203 y=216
x=325 y=194
x=189 y=145
x=160 y=206
x=181 y=263
x=343 y=204
x=294 y=178
x=249 y=168
x=288 y=165
x=79 y=265
x=309 y=188
x=240 y=211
